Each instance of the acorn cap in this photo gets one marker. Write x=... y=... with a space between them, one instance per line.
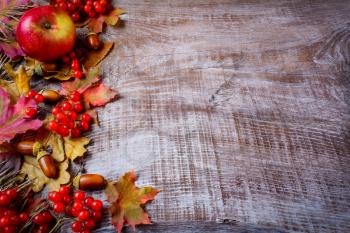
x=76 y=182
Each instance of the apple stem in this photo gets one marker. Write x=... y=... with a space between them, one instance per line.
x=47 y=25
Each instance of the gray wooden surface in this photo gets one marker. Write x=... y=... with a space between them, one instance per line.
x=237 y=110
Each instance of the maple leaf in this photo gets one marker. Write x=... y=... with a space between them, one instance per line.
x=12 y=117
x=94 y=57
x=10 y=11
x=11 y=89
x=99 y=95
x=54 y=140
x=112 y=18
x=81 y=85
x=31 y=168
x=20 y=77
x=75 y=147
x=127 y=200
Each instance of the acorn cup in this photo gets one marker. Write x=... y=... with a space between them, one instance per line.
x=43 y=69
x=93 y=41
x=51 y=96
x=89 y=182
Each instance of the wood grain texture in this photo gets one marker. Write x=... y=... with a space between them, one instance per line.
x=237 y=110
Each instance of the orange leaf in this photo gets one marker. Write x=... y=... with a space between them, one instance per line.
x=94 y=57
x=127 y=200
x=99 y=95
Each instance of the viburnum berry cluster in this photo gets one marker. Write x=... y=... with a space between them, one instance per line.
x=68 y=118
x=73 y=59
x=86 y=211
x=83 y=8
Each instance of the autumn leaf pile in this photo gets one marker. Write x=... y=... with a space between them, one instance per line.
x=126 y=200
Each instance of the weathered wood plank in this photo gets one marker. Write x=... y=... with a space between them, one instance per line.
x=237 y=110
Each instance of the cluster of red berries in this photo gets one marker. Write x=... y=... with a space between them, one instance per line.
x=42 y=221
x=85 y=209
x=10 y=219
x=31 y=112
x=74 y=62
x=66 y=117
x=80 y=8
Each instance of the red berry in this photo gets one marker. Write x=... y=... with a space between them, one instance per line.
x=71 y=6
x=97 y=205
x=63 y=131
x=66 y=106
x=88 y=2
x=103 y=3
x=39 y=219
x=61 y=117
x=24 y=216
x=86 y=117
x=75 y=132
x=5 y=221
x=76 y=2
x=75 y=212
x=78 y=74
x=66 y=59
x=70 y=124
x=79 y=195
x=64 y=190
x=78 y=206
x=75 y=64
x=90 y=224
x=84 y=126
x=31 y=94
x=92 y=14
x=58 y=207
x=75 y=96
x=47 y=216
x=54 y=197
x=44 y=228
x=88 y=201
x=77 y=226
x=84 y=215
x=31 y=112
x=96 y=216
x=87 y=8
x=72 y=55
x=15 y=220
x=53 y=125
x=66 y=199
x=85 y=231
x=78 y=107
x=72 y=115
x=63 y=6
x=76 y=16
x=98 y=7
x=4 y=200
x=10 y=229
x=39 y=98
x=12 y=193
x=56 y=110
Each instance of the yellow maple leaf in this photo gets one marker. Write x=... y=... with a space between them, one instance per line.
x=20 y=77
x=75 y=147
x=31 y=168
x=127 y=201
x=54 y=140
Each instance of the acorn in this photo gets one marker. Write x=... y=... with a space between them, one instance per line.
x=46 y=69
x=47 y=165
x=25 y=147
x=51 y=96
x=93 y=41
x=89 y=182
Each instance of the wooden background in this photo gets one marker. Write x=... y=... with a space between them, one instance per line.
x=237 y=110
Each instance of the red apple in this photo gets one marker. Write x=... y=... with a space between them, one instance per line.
x=46 y=33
